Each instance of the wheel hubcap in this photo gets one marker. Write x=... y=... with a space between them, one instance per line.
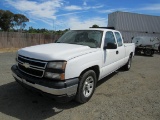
x=88 y=86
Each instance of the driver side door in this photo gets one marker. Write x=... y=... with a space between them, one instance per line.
x=110 y=55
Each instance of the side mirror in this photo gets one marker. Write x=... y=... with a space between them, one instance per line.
x=110 y=46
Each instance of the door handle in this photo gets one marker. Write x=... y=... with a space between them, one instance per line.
x=117 y=52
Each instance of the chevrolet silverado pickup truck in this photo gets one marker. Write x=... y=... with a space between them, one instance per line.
x=71 y=67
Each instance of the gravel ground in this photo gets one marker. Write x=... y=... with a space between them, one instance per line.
x=131 y=95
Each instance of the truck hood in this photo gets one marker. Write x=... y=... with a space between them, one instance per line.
x=55 y=51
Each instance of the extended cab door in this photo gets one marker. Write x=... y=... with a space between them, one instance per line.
x=110 y=55
x=120 y=49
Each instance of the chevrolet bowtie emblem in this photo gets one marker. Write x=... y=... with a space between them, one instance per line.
x=26 y=65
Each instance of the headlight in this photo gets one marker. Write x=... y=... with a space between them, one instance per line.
x=57 y=65
x=54 y=75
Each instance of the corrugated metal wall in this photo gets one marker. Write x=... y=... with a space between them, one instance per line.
x=112 y=19
x=132 y=24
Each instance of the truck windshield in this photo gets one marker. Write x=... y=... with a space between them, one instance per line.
x=91 y=38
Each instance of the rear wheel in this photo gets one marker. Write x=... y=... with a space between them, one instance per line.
x=127 y=66
x=148 y=52
x=86 y=86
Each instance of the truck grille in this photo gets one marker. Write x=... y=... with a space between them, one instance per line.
x=31 y=66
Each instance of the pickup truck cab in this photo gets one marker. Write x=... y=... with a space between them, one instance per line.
x=71 y=67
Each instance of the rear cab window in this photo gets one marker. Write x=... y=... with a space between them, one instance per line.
x=119 y=39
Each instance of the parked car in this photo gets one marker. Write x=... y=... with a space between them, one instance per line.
x=71 y=67
x=146 y=45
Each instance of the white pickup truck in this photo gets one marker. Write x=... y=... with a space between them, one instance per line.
x=71 y=67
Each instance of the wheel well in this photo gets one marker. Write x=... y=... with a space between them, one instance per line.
x=94 y=68
x=131 y=55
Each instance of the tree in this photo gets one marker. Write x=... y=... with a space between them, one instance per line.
x=19 y=21
x=1 y=13
x=32 y=30
x=10 y=20
x=6 y=20
x=95 y=26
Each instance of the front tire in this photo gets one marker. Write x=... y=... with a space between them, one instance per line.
x=86 y=86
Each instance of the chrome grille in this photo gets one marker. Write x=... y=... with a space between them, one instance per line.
x=31 y=66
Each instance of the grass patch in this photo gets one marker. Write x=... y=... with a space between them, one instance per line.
x=3 y=50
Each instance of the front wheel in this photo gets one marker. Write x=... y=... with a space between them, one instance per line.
x=86 y=86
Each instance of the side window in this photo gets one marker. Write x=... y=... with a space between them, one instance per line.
x=109 y=38
x=119 y=39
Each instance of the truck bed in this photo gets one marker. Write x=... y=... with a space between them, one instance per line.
x=129 y=48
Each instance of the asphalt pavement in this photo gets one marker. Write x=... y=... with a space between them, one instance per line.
x=131 y=95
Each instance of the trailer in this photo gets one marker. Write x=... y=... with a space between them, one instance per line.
x=146 y=45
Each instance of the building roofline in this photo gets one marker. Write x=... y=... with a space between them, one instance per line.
x=134 y=13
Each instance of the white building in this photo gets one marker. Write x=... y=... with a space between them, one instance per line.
x=133 y=24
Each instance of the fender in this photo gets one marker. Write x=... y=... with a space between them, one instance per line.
x=77 y=65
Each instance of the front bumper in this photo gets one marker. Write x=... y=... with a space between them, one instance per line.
x=58 y=88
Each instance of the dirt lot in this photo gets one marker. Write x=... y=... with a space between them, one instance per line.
x=2 y=50
x=132 y=95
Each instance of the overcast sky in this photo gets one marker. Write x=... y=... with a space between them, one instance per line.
x=63 y=14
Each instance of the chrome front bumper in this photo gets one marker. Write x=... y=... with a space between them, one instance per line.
x=70 y=90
